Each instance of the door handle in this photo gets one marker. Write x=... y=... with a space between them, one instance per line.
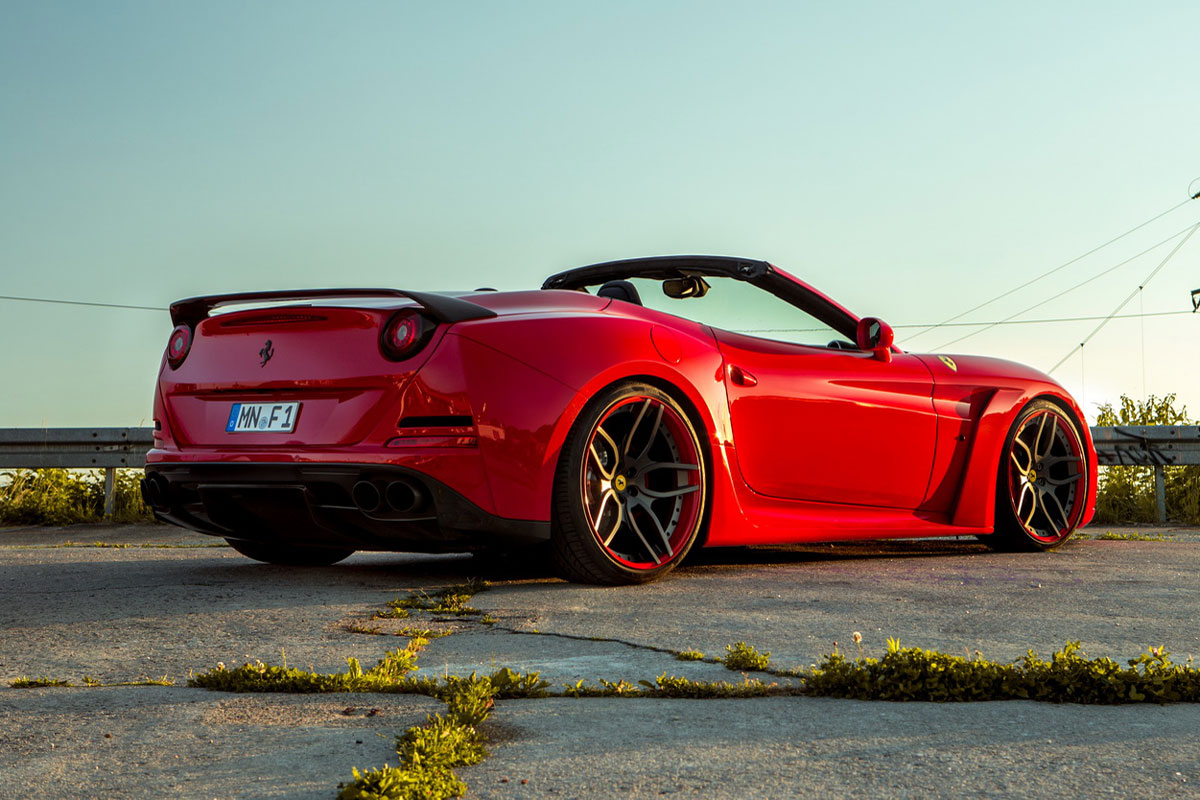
x=740 y=377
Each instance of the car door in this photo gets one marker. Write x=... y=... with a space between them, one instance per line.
x=830 y=425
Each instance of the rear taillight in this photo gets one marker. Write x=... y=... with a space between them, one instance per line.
x=179 y=345
x=405 y=334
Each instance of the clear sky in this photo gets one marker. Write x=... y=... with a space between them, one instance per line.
x=910 y=159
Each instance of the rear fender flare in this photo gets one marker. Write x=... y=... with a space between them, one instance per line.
x=695 y=405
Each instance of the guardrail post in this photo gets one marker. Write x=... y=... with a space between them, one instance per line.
x=1160 y=493
x=110 y=473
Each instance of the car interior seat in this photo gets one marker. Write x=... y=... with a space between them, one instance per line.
x=620 y=290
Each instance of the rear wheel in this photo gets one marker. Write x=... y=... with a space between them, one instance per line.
x=1041 y=490
x=290 y=555
x=631 y=488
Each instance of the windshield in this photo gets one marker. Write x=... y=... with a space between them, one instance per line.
x=738 y=306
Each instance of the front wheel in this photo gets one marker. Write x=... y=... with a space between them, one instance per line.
x=290 y=555
x=1042 y=487
x=631 y=488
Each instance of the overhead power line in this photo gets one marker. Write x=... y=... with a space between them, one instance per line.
x=1132 y=295
x=79 y=303
x=991 y=323
x=1067 y=291
x=1041 y=321
x=1060 y=267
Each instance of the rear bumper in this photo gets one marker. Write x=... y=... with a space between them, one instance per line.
x=363 y=506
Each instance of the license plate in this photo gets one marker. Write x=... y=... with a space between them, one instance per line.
x=262 y=418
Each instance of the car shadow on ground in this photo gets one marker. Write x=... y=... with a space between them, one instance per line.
x=533 y=565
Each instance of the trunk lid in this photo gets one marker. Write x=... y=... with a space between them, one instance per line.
x=328 y=359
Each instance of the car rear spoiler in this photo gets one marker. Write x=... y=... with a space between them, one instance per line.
x=441 y=306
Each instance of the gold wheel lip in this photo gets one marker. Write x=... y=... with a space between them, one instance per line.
x=684 y=437
x=1075 y=443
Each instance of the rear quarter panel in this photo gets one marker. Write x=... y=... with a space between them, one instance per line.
x=531 y=376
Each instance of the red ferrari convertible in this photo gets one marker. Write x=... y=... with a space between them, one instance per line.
x=308 y=424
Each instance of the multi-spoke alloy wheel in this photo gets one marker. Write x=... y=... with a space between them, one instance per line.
x=631 y=490
x=1043 y=483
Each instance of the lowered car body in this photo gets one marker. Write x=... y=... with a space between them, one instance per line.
x=319 y=422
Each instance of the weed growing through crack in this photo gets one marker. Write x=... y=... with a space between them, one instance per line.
x=36 y=683
x=428 y=753
x=742 y=657
x=621 y=688
x=510 y=684
x=163 y=681
x=910 y=673
x=392 y=612
x=1128 y=537
x=450 y=600
x=673 y=686
x=386 y=676
x=423 y=633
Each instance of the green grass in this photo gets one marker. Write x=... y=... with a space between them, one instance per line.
x=389 y=675
x=66 y=497
x=392 y=612
x=673 y=686
x=429 y=753
x=451 y=600
x=1126 y=494
x=37 y=683
x=909 y=673
x=742 y=657
x=1127 y=537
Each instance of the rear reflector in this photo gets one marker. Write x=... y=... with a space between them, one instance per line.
x=434 y=441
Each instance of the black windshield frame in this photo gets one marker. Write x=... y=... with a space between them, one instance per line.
x=753 y=271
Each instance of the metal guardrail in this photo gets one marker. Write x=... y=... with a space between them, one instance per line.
x=73 y=448
x=111 y=448
x=1149 y=446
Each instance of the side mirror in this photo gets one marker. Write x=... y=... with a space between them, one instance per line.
x=877 y=336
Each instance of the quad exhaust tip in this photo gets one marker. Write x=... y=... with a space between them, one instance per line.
x=399 y=496
x=404 y=497
x=366 y=496
x=154 y=491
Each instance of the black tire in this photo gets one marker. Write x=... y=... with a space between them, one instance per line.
x=1042 y=485
x=631 y=490
x=290 y=555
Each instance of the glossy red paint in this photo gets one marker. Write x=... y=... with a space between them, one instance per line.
x=816 y=421
x=801 y=443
